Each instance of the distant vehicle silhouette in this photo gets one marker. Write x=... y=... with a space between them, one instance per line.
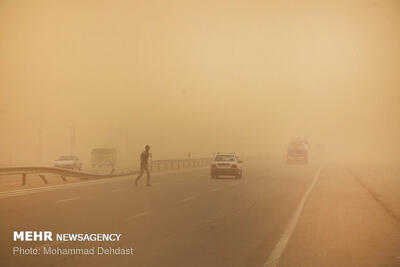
x=68 y=162
x=104 y=157
x=297 y=151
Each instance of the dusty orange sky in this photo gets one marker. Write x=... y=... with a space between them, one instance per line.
x=198 y=76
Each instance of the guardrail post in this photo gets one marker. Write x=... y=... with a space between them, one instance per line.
x=23 y=178
x=43 y=178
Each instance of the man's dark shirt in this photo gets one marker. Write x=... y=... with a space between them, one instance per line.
x=144 y=158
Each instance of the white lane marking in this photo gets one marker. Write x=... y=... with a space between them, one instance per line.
x=276 y=253
x=68 y=199
x=13 y=184
x=234 y=184
x=54 y=187
x=214 y=190
x=142 y=214
x=119 y=190
x=189 y=198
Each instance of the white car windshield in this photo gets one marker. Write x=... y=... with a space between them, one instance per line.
x=228 y=158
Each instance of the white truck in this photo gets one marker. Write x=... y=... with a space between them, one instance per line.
x=297 y=151
x=104 y=157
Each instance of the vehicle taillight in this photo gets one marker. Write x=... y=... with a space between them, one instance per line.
x=213 y=166
x=234 y=166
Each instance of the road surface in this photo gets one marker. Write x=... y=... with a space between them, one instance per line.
x=277 y=215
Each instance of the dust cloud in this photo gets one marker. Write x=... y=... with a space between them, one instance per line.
x=198 y=77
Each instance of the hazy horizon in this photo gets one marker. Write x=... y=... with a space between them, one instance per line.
x=198 y=77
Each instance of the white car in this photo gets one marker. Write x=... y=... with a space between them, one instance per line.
x=68 y=162
x=226 y=164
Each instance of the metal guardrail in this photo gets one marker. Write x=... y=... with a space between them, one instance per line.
x=157 y=165
x=160 y=165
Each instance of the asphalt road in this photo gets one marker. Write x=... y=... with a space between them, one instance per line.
x=277 y=214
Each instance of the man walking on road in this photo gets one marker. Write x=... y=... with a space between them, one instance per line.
x=144 y=165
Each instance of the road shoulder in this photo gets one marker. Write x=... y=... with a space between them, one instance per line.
x=342 y=225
